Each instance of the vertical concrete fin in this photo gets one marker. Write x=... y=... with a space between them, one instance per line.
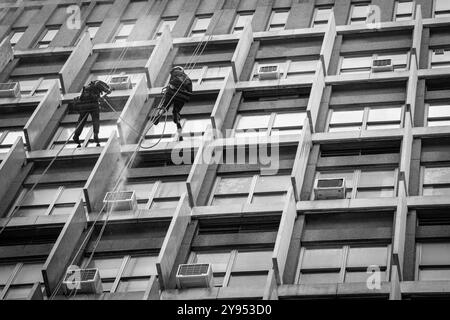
x=62 y=252
x=406 y=152
x=398 y=246
x=133 y=115
x=417 y=36
x=223 y=101
x=104 y=175
x=301 y=159
x=315 y=97
x=241 y=52
x=10 y=169
x=411 y=90
x=75 y=62
x=395 y=293
x=6 y=53
x=172 y=241
x=41 y=118
x=328 y=44
x=159 y=54
x=271 y=288
x=281 y=249
x=35 y=292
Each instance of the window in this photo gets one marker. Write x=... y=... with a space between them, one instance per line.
x=92 y=29
x=8 y=136
x=438 y=115
x=23 y=276
x=359 y=14
x=49 y=200
x=404 y=10
x=433 y=261
x=341 y=264
x=278 y=20
x=157 y=194
x=207 y=75
x=16 y=35
x=280 y=123
x=193 y=128
x=124 y=31
x=440 y=58
x=364 y=64
x=170 y=22
x=35 y=86
x=364 y=183
x=237 y=268
x=254 y=189
x=369 y=118
x=106 y=77
x=48 y=36
x=321 y=16
x=441 y=9
x=242 y=19
x=86 y=138
x=290 y=69
x=436 y=181
x=200 y=26
x=130 y=273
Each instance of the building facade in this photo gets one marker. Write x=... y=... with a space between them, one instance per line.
x=287 y=93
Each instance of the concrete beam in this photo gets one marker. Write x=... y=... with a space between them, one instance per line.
x=172 y=242
x=159 y=54
x=6 y=53
x=417 y=35
x=42 y=117
x=10 y=170
x=75 y=62
x=301 y=159
x=328 y=44
x=271 y=288
x=241 y=52
x=223 y=101
x=133 y=115
x=281 y=249
x=104 y=175
x=62 y=252
x=398 y=245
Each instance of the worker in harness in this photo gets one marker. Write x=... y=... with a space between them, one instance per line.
x=89 y=103
x=178 y=92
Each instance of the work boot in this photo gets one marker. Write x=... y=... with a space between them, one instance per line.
x=76 y=139
x=180 y=138
x=96 y=140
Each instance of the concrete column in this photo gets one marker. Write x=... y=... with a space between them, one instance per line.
x=148 y=23
x=262 y=15
x=186 y=18
x=301 y=14
x=111 y=22
x=342 y=11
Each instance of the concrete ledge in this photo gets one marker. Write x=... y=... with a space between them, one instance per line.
x=425 y=287
x=320 y=206
x=331 y=290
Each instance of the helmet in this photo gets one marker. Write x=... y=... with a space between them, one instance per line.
x=178 y=67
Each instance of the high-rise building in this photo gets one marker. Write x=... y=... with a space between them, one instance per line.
x=315 y=161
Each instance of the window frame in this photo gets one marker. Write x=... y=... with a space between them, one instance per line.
x=271 y=25
x=352 y=9
x=4 y=131
x=412 y=14
x=344 y=259
x=117 y=39
x=365 y=118
x=372 y=58
x=238 y=29
x=356 y=179
x=418 y=267
x=41 y=44
x=284 y=65
x=437 y=119
x=316 y=11
x=13 y=32
x=438 y=65
x=162 y=22
x=445 y=12
x=18 y=266
x=193 y=32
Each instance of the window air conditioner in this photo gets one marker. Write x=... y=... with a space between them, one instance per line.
x=120 y=83
x=268 y=72
x=83 y=281
x=382 y=65
x=194 y=276
x=10 y=90
x=332 y=188
x=121 y=201
x=439 y=52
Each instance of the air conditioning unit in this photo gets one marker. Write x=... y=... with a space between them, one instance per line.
x=269 y=72
x=120 y=201
x=120 y=83
x=194 y=276
x=439 y=52
x=330 y=188
x=83 y=281
x=10 y=90
x=382 y=65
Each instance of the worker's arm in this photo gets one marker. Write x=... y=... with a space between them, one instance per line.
x=188 y=85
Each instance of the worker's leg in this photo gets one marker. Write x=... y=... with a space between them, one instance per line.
x=82 y=118
x=177 y=106
x=95 y=115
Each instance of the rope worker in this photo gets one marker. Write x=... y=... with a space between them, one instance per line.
x=89 y=103
x=178 y=92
